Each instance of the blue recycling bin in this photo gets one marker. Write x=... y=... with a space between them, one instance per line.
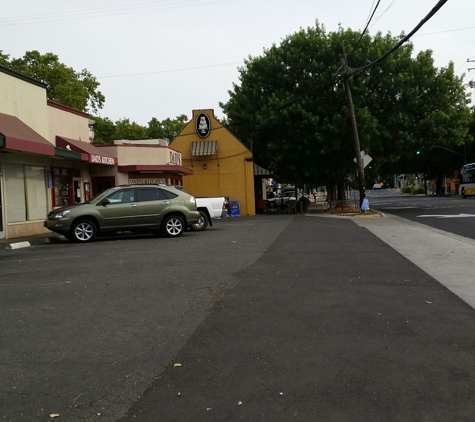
x=235 y=208
x=365 y=205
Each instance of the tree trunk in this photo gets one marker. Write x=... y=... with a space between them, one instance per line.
x=341 y=190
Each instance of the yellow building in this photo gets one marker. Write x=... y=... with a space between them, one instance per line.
x=222 y=165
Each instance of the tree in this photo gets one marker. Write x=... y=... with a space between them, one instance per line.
x=124 y=129
x=289 y=105
x=64 y=85
x=4 y=59
x=104 y=130
x=173 y=127
x=166 y=129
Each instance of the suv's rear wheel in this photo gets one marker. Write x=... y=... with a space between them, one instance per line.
x=83 y=231
x=173 y=226
x=202 y=222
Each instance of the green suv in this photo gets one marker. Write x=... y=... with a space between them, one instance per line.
x=137 y=208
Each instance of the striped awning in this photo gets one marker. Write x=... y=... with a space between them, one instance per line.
x=203 y=148
x=260 y=171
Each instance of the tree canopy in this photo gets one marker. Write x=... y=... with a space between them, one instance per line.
x=106 y=131
x=292 y=109
x=79 y=90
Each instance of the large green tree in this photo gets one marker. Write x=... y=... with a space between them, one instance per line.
x=79 y=90
x=291 y=108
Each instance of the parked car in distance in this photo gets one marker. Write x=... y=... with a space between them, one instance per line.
x=210 y=208
x=136 y=208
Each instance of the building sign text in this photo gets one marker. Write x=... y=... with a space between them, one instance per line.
x=100 y=159
x=174 y=158
x=147 y=181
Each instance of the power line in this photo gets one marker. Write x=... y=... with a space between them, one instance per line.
x=271 y=110
x=366 y=27
x=168 y=71
x=435 y=9
x=447 y=30
x=112 y=11
x=387 y=8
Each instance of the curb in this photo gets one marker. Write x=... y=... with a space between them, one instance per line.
x=17 y=245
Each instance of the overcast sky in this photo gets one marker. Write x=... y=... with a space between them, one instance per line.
x=164 y=58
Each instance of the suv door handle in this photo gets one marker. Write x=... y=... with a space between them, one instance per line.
x=166 y=202
x=133 y=205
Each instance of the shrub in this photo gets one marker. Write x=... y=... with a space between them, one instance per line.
x=406 y=189
x=419 y=190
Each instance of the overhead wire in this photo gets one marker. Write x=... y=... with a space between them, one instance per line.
x=368 y=21
x=291 y=101
x=385 y=10
x=435 y=9
x=168 y=71
x=271 y=110
x=111 y=11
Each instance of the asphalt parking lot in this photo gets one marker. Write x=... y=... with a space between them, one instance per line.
x=84 y=328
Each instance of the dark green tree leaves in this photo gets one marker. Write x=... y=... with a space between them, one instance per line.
x=293 y=110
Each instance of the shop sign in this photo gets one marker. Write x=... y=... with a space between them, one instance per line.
x=174 y=158
x=100 y=159
x=203 y=125
x=147 y=181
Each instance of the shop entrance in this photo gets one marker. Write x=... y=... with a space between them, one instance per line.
x=77 y=190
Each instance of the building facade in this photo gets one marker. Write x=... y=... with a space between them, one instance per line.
x=146 y=161
x=222 y=165
x=47 y=159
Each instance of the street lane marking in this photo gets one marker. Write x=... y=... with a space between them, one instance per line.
x=447 y=216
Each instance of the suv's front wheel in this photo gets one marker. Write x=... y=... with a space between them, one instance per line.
x=83 y=231
x=173 y=226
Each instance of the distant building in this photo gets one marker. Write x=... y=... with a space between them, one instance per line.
x=222 y=165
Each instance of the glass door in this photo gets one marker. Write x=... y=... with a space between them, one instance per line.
x=77 y=190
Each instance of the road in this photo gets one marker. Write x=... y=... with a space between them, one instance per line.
x=273 y=317
x=449 y=213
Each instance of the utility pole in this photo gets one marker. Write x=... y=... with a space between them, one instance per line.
x=356 y=139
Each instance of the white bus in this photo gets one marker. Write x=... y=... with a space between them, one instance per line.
x=467 y=180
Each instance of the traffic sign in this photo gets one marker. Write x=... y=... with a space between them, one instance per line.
x=365 y=159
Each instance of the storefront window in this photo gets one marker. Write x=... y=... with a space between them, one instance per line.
x=61 y=187
x=15 y=193
x=25 y=193
x=36 y=193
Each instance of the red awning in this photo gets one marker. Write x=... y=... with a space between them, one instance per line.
x=20 y=137
x=95 y=155
x=169 y=168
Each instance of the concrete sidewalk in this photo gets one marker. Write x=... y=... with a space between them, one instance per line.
x=330 y=324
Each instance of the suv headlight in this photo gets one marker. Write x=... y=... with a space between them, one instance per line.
x=62 y=214
x=192 y=199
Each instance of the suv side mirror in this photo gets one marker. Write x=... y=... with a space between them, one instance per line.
x=106 y=201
